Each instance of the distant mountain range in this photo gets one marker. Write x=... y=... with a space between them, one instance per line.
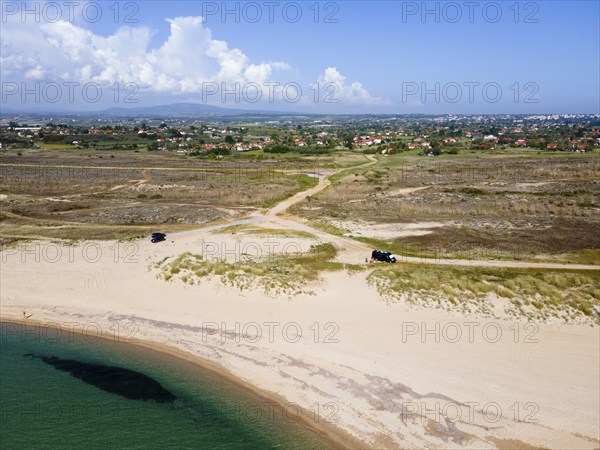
x=180 y=109
x=174 y=109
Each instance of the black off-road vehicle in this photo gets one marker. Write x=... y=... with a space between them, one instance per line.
x=380 y=255
x=157 y=237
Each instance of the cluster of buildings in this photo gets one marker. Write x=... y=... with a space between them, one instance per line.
x=371 y=133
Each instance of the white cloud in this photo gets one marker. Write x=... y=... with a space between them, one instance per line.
x=189 y=57
x=353 y=93
x=62 y=51
x=36 y=73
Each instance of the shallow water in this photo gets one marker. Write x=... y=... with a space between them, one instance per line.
x=42 y=406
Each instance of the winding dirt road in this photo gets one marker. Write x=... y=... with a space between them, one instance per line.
x=352 y=251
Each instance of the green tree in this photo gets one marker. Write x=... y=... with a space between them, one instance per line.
x=348 y=140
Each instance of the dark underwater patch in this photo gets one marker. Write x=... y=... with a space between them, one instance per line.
x=117 y=380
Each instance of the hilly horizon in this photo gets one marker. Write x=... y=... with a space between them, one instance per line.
x=171 y=109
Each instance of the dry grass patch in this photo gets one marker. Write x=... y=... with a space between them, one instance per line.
x=572 y=296
x=249 y=230
x=275 y=276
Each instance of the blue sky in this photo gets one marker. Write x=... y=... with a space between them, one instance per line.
x=461 y=57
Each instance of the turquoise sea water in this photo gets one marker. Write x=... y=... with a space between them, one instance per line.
x=43 y=407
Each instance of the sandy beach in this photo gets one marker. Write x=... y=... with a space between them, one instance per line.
x=258 y=228
x=373 y=373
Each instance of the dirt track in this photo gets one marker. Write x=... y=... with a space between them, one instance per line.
x=351 y=251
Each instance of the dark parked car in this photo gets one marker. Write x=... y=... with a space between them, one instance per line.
x=157 y=237
x=380 y=255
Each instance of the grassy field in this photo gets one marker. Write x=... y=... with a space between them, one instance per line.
x=504 y=204
x=249 y=230
x=45 y=146
x=275 y=275
x=513 y=205
x=532 y=294
x=89 y=194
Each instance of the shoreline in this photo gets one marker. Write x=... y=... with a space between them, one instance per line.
x=334 y=436
x=378 y=362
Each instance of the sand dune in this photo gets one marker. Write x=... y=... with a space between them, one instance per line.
x=372 y=373
x=383 y=374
